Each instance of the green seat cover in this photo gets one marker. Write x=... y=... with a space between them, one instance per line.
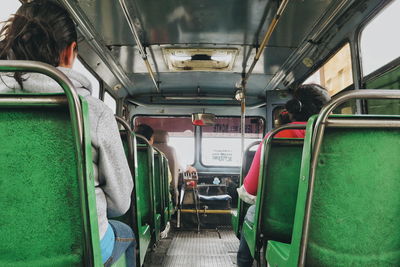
x=355 y=201
x=45 y=192
x=277 y=193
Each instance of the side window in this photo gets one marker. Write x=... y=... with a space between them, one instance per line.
x=79 y=67
x=8 y=8
x=336 y=74
x=379 y=45
x=110 y=102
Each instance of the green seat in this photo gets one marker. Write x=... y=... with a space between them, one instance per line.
x=144 y=197
x=163 y=200
x=47 y=201
x=277 y=193
x=355 y=199
x=158 y=191
x=239 y=213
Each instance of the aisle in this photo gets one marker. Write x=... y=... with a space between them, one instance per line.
x=188 y=248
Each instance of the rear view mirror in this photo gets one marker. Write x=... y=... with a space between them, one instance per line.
x=203 y=119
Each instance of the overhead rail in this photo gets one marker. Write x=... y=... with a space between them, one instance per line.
x=90 y=35
x=143 y=53
x=319 y=129
x=265 y=40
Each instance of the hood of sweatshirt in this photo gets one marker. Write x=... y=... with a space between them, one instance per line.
x=40 y=83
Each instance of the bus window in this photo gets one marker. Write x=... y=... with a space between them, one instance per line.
x=110 y=102
x=380 y=47
x=336 y=74
x=79 y=67
x=8 y=7
x=378 y=44
x=221 y=142
x=180 y=131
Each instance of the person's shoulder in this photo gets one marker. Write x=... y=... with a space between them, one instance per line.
x=99 y=112
x=97 y=104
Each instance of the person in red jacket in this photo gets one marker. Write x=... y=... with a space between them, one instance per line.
x=308 y=99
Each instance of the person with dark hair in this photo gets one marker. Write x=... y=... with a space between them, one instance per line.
x=43 y=31
x=308 y=99
x=146 y=131
x=283 y=118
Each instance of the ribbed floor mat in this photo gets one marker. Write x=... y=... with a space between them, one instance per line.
x=206 y=249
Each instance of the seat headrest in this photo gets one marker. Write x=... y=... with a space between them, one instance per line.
x=161 y=137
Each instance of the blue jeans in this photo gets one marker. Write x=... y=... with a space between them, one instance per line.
x=124 y=243
x=244 y=258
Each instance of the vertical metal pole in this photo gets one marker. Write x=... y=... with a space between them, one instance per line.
x=242 y=122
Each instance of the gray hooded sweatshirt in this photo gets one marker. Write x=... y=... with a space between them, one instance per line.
x=113 y=180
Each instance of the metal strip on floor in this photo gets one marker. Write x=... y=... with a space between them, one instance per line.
x=209 y=248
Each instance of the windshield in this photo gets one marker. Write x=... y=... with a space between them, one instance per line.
x=221 y=143
x=180 y=131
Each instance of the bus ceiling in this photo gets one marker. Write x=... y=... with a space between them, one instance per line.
x=175 y=48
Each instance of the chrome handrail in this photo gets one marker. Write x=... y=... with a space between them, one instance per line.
x=318 y=133
x=65 y=83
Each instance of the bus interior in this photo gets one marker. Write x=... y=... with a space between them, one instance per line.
x=214 y=76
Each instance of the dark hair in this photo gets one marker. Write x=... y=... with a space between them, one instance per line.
x=40 y=31
x=283 y=117
x=145 y=130
x=308 y=99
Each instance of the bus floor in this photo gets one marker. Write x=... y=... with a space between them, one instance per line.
x=182 y=248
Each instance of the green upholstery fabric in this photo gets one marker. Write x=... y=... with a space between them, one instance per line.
x=145 y=184
x=40 y=215
x=281 y=188
x=355 y=206
x=158 y=176
x=277 y=194
x=144 y=201
x=355 y=209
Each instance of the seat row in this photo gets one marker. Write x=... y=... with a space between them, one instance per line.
x=333 y=198
x=151 y=207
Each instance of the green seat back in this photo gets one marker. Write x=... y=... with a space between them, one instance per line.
x=168 y=205
x=158 y=177
x=144 y=190
x=277 y=194
x=280 y=187
x=355 y=208
x=41 y=209
x=139 y=215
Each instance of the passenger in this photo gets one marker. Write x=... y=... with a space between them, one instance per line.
x=161 y=139
x=43 y=31
x=146 y=131
x=308 y=99
x=283 y=118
